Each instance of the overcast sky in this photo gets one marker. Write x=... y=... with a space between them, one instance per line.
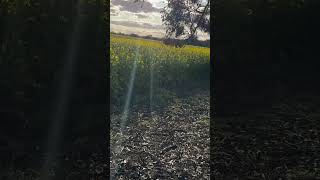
x=139 y=18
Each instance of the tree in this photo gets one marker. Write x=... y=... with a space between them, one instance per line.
x=185 y=18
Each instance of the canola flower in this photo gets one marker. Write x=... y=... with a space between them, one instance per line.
x=168 y=66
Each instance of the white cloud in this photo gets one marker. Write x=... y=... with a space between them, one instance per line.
x=128 y=19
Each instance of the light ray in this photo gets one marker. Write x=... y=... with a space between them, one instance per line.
x=151 y=86
x=125 y=113
x=126 y=109
x=63 y=95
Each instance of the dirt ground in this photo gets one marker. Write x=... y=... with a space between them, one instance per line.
x=280 y=142
x=171 y=143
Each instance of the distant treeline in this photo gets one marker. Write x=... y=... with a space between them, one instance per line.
x=205 y=43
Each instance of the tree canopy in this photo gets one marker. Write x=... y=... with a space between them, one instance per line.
x=186 y=17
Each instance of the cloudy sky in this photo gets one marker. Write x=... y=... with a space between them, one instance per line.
x=139 y=18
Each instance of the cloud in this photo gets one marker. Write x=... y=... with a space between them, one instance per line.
x=136 y=24
x=114 y=12
x=135 y=7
